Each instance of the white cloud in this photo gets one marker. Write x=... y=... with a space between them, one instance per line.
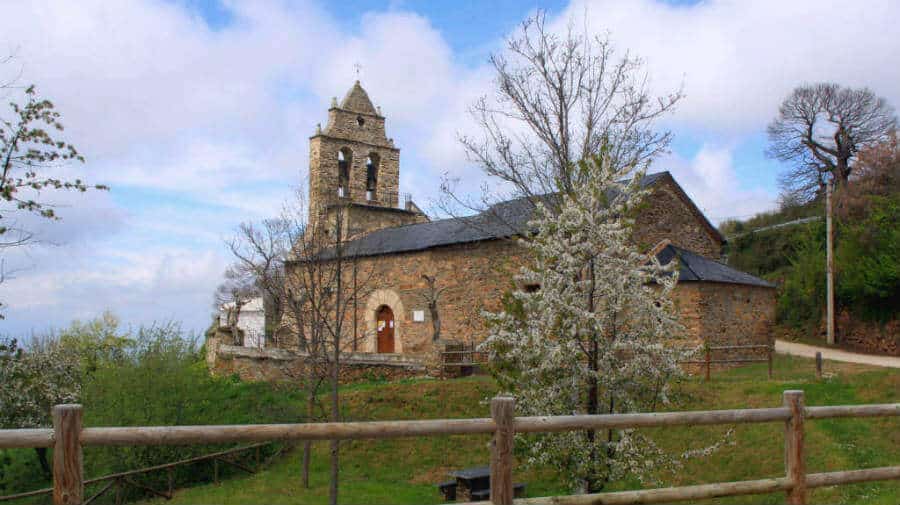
x=142 y=287
x=738 y=60
x=711 y=180
x=218 y=119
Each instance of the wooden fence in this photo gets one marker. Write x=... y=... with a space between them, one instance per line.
x=707 y=362
x=68 y=436
x=121 y=480
x=469 y=357
x=462 y=356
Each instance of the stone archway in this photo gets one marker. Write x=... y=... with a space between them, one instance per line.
x=379 y=298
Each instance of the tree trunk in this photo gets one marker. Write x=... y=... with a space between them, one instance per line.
x=593 y=392
x=42 y=459
x=336 y=360
x=307 y=445
x=335 y=417
x=435 y=321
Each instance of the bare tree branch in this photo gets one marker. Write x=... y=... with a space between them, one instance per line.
x=559 y=98
x=820 y=128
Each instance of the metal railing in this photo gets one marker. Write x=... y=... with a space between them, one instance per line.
x=68 y=437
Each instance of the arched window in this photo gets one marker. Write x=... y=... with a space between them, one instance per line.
x=345 y=159
x=371 y=176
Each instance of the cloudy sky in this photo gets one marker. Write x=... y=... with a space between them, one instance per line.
x=197 y=113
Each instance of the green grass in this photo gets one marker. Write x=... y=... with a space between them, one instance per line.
x=405 y=471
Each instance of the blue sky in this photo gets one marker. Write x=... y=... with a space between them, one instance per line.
x=197 y=113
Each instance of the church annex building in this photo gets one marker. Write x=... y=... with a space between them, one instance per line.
x=471 y=261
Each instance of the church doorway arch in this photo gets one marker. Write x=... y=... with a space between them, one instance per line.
x=384 y=325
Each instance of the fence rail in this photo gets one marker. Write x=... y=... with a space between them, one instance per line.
x=122 y=479
x=708 y=362
x=68 y=437
x=462 y=356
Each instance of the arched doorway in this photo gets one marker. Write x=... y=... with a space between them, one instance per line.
x=384 y=325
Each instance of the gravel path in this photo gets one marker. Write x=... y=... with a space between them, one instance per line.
x=809 y=351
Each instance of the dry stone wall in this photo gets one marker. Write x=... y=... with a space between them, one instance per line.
x=282 y=365
x=726 y=314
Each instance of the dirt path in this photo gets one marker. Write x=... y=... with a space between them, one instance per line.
x=809 y=351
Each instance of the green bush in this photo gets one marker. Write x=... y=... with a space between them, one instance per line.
x=160 y=379
x=868 y=258
x=867 y=268
x=802 y=295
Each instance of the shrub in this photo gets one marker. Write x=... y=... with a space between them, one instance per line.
x=158 y=378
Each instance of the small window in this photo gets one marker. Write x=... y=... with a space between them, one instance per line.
x=531 y=288
x=360 y=121
x=419 y=316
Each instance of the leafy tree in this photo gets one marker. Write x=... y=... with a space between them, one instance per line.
x=802 y=296
x=596 y=337
x=97 y=343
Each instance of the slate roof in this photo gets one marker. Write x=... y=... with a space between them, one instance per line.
x=693 y=267
x=506 y=219
x=501 y=220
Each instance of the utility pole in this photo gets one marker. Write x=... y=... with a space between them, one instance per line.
x=829 y=262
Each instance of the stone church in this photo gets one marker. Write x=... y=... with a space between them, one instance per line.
x=470 y=261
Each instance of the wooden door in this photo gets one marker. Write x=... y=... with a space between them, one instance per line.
x=385 y=326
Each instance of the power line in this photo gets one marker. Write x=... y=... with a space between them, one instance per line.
x=785 y=224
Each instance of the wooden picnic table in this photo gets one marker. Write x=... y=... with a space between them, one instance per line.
x=472 y=484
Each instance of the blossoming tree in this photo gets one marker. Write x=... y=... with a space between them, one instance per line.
x=595 y=336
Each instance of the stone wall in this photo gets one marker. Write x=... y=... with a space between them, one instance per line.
x=866 y=336
x=667 y=213
x=281 y=365
x=472 y=277
x=726 y=314
x=362 y=219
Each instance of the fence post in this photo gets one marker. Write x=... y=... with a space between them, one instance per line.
x=769 y=356
x=794 y=459
x=68 y=461
x=708 y=361
x=818 y=365
x=503 y=412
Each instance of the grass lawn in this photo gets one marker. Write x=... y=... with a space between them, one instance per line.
x=405 y=471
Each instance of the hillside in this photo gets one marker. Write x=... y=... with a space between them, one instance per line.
x=405 y=471
x=787 y=247
x=763 y=245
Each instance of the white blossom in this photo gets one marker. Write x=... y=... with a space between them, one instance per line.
x=32 y=381
x=601 y=326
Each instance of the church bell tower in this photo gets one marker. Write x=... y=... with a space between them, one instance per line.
x=352 y=162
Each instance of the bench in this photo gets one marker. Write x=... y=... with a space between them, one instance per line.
x=481 y=495
x=519 y=490
x=448 y=490
x=485 y=494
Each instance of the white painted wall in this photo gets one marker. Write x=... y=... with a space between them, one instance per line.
x=252 y=321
